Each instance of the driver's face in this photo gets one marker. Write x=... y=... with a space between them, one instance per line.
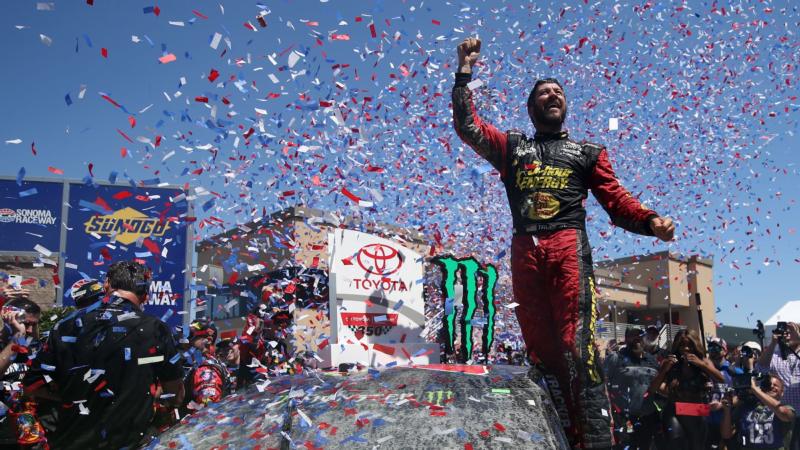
x=549 y=105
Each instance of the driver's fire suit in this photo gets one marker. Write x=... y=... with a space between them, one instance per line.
x=546 y=180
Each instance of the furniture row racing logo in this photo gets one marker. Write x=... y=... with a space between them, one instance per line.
x=472 y=277
x=27 y=216
x=127 y=224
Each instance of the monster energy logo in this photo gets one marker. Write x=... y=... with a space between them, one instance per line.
x=470 y=271
x=437 y=397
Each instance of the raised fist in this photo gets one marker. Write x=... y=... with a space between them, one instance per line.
x=663 y=228
x=468 y=52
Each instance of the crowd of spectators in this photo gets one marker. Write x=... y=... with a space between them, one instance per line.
x=705 y=395
x=110 y=376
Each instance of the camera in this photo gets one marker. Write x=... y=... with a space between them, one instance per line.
x=741 y=382
x=747 y=352
x=19 y=313
x=781 y=328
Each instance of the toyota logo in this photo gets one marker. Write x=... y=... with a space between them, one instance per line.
x=379 y=259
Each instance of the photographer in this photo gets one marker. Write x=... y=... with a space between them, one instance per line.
x=628 y=374
x=717 y=351
x=684 y=378
x=785 y=363
x=19 y=339
x=759 y=419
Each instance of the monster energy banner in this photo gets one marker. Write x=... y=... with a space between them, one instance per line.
x=474 y=278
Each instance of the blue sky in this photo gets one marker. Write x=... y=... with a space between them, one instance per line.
x=706 y=101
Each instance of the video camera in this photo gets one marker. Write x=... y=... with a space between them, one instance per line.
x=759 y=331
x=741 y=382
x=781 y=329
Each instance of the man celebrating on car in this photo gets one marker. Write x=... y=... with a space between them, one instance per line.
x=546 y=180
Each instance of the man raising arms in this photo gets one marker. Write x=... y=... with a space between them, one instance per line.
x=547 y=178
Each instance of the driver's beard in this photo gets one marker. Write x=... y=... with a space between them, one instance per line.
x=539 y=117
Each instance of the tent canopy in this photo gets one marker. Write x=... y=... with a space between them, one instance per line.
x=790 y=312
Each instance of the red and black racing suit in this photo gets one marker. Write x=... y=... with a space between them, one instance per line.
x=546 y=180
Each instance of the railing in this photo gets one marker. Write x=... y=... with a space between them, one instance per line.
x=606 y=332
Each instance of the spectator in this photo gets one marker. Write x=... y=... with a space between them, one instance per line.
x=207 y=379
x=102 y=365
x=629 y=373
x=684 y=379
x=651 y=343
x=786 y=365
x=228 y=353
x=252 y=350
x=759 y=419
x=19 y=340
x=717 y=352
x=749 y=352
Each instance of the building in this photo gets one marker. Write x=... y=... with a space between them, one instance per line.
x=662 y=288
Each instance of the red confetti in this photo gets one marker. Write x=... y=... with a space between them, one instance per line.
x=199 y=14
x=151 y=246
x=102 y=203
x=104 y=52
x=132 y=121
x=91 y=166
x=110 y=100
x=499 y=427
x=350 y=195
x=123 y=151
x=213 y=75
x=372 y=30
x=436 y=22
x=384 y=349
x=201 y=99
x=122 y=195
x=55 y=170
x=33 y=148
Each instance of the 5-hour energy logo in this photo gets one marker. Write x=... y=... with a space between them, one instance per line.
x=536 y=176
x=128 y=224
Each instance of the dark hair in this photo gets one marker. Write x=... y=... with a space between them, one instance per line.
x=694 y=342
x=25 y=304
x=539 y=83
x=633 y=331
x=129 y=276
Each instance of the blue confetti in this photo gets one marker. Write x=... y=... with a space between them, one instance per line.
x=28 y=192
x=20 y=176
x=67 y=99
